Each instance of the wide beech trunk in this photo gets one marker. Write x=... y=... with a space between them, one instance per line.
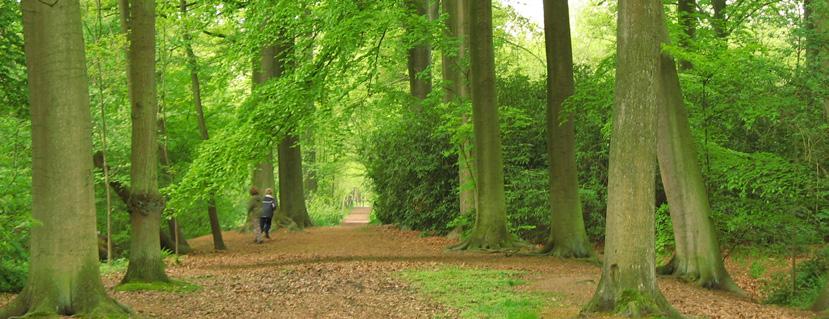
x=490 y=229
x=568 y=237
x=145 y=203
x=63 y=277
x=628 y=283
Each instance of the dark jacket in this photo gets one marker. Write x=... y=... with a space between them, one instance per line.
x=268 y=206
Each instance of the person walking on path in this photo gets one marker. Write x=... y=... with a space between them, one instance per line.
x=254 y=213
x=268 y=207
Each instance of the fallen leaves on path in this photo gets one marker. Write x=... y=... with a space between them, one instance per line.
x=351 y=272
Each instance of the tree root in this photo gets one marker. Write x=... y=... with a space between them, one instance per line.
x=633 y=304
x=105 y=308
x=723 y=282
x=509 y=246
x=551 y=249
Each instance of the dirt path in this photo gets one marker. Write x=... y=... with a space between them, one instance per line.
x=351 y=272
x=359 y=216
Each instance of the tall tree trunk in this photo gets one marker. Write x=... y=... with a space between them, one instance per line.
x=263 y=172
x=818 y=57
x=568 y=237
x=291 y=187
x=628 y=283
x=490 y=230
x=193 y=65
x=63 y=275
x=457 y=91
x=291 y=192
x=719 y=21
x=687 y=10
x=420 y=58
x=697 y=257
x=146 y=204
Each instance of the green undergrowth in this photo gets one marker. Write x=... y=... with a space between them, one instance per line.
x=478 y=293
x=117 y=265
x=172 y=286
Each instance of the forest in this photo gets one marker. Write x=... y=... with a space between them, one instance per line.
x=414 y=159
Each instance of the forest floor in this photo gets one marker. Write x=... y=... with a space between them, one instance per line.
x=353 y=271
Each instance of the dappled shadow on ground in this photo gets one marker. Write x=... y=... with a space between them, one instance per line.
x=352 y=272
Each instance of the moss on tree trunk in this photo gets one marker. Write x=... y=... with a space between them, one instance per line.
x=63 y=278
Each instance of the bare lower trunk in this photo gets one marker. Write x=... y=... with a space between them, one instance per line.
x=168 y=238
x=291 y=192
x=568 y=237
x=146 y=204
x=628 y=283
x=697 y=257
x=63 y=278
x=490 y=230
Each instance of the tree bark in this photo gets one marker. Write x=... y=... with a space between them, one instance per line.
x=263 y=172
x=490 y=230
x=291 y=192
x=628 y=284
x=193 y=65
x=420 y=58
x=719 y=21
x=146 y=204
x=63 y=277
x=568 y=237
x=687 y=19
x=457 y=91
x=697 y=257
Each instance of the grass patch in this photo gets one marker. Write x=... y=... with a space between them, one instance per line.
x=172 y=286
x=117 y=265
x=478 y=293
x=323 y=213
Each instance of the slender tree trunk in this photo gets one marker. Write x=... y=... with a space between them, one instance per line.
x=817 y=56
x=697 y=257
x=63 y=277
x=568 y=237
x=457 y=91
x=719 y=21
x=420 y=58
x=687 y=10
x=146 y=204
x=490 y=230
x=193 y=65
x=628 y=283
